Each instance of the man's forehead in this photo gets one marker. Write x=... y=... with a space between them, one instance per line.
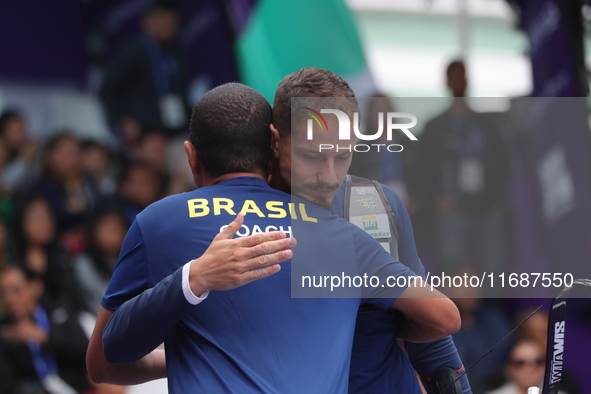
x=326 y=129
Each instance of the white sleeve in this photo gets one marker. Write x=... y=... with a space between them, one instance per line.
x=190 y=297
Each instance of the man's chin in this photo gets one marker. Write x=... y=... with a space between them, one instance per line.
x=321 y=201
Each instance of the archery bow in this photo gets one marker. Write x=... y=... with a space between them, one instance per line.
x=555 y=345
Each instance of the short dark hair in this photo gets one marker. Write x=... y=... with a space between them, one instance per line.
x=88 y=144
x=53 y=143
x=27 y=272
x=230 y=129
x=137 y=164
x=306 y=82
x=7 y=116
x=453 y=64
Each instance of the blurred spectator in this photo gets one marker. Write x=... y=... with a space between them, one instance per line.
x=104 y=388
x=535 y=329
x=524 y=369
x=145 y=85
x=38 y=250
x=42 y=347
x=94 y=267
x=6 y=197
x=71 y=193
x=464 y=178
x=140 y=186
x=6 y=258
x=180 y=172
x=178 y=183
x=19 y=166
x=5 y=255
x=152 y=149
x=95 y=161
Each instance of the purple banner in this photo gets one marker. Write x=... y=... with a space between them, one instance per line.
x=551 y=199
x=49 y=41
x=205 y=34
x=554 y=29
x=43 y=41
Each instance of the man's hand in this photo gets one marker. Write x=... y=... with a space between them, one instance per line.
x=229 y=263
x=150 y=367
x=24 y=331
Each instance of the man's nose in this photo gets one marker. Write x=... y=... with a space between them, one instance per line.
x=327 y=173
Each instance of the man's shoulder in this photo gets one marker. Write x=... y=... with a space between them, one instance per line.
x=166 y=203
x=393 y=198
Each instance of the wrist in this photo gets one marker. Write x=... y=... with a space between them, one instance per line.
x=196 y=282
x=193 y=287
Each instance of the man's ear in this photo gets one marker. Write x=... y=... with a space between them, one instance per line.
x=275 y=138
x=192 y=157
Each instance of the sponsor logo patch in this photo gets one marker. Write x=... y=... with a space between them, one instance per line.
x=368 y=203
x=365 y=191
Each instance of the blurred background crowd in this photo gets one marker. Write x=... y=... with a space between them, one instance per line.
x=95 y=98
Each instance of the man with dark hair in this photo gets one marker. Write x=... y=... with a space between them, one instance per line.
x=145 y=84
x=378 y=364
x=310 y=82
x=214 y=124
x=41 y=343
x=464 y=176
x=455 y=74
x=319 y=87
x=227 y=263
x=252 y=338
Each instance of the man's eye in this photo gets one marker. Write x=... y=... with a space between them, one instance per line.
x=311 y=158
x=344 y=157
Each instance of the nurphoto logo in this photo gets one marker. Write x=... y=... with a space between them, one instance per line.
x=345 y=129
